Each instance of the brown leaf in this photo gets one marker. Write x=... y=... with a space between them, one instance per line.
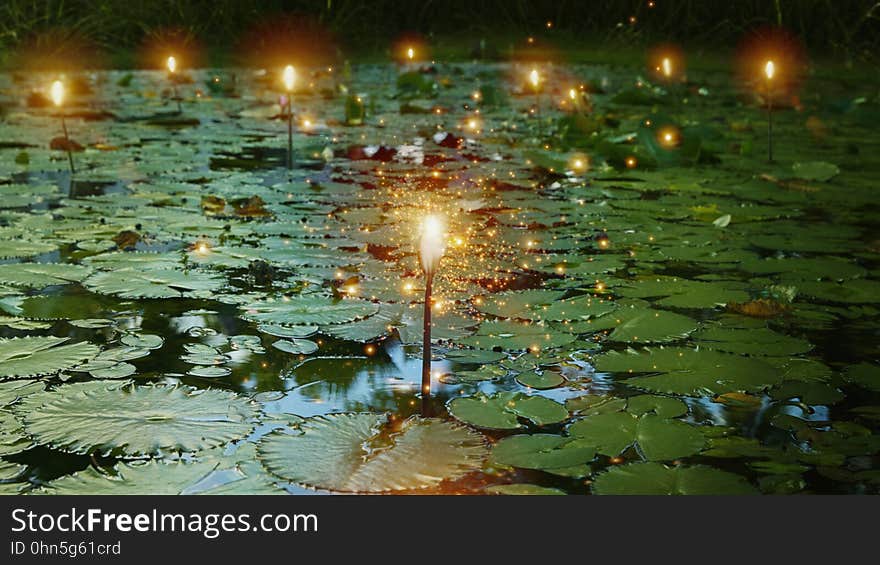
x=250 y=207
x=62 y=143
x=213 y=205
x=794 y=185
x=760 y=308
x=126 y=239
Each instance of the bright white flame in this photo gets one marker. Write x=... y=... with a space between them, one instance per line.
x=770 y=69
x=667 y=67
x=172 y=64
x=432 y=245
x=572 y=93
x=410 y=53
x=534 y=78
x=289 y=77
x=57 y=92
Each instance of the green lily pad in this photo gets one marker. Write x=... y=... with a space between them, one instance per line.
x=163 y=478
x=663 y=406
x=36 y=356
x=866 y=375
x=541 y=381
x=691 y=372
x=308 y=310
x=542 y=452
x=815 y=170
x=645 y=325
x=353 y=453
x=296 y=346
x=154 y=283
x=513 y=336
x=502 y=410
x=655 y=478
x=134 y=421
x=40 y=275
x=656 y=438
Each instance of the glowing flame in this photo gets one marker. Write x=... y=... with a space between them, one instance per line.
x=572 y=93
x=289 y=77
x=171 y=64
x=410 y=53
x=770 y=69
x=432 y=245
x=534 y=78
x=666 y=65
x=57 y=92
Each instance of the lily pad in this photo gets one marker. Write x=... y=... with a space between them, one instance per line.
x=655 y=478
x=134 y=421
x=502 y=410
x=308 y=310
x=656 y=438
x=540 y=380
x=37 y=356
x=296 y=346
x=513 y=336
x=542 y=452
x=691 y=372
x=354 y=453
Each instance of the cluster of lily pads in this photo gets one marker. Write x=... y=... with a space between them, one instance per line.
x=687 y=320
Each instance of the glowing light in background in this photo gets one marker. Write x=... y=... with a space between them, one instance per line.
x=288 y=77
x=57 y=92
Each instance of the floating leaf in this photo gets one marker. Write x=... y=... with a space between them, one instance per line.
x=655 y=478
x=153 y=283
x=502 y=410
x=135 y=420
x=146 y=341
x=160 y=478
x=656 y=438
x=815 y=170
x=309 y=310
x=353 y=453
x=13 y=439
x=645 y=325
x=541 y=381
x=12 y=391
x=693 y=372
x=541 y=451
x=296 y=346
x=37 y=356
x=517 y=337
x=40 y=275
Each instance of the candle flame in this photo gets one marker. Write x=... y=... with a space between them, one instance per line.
x=770 y=69
x=534 y=78
x=172 y=64
x=432 y=244
x=667 y=67
x=572 y=93
x=410 y=53
x=289 y=77
x=57 y=92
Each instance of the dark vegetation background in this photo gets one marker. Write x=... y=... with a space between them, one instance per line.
x=101 y=33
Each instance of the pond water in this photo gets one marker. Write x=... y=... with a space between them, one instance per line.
x=632 y=299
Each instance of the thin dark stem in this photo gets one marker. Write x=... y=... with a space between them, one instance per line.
x=769 y=123
x=67 y=145
x=289 y=131
x=426 y=348
x=176 y=95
